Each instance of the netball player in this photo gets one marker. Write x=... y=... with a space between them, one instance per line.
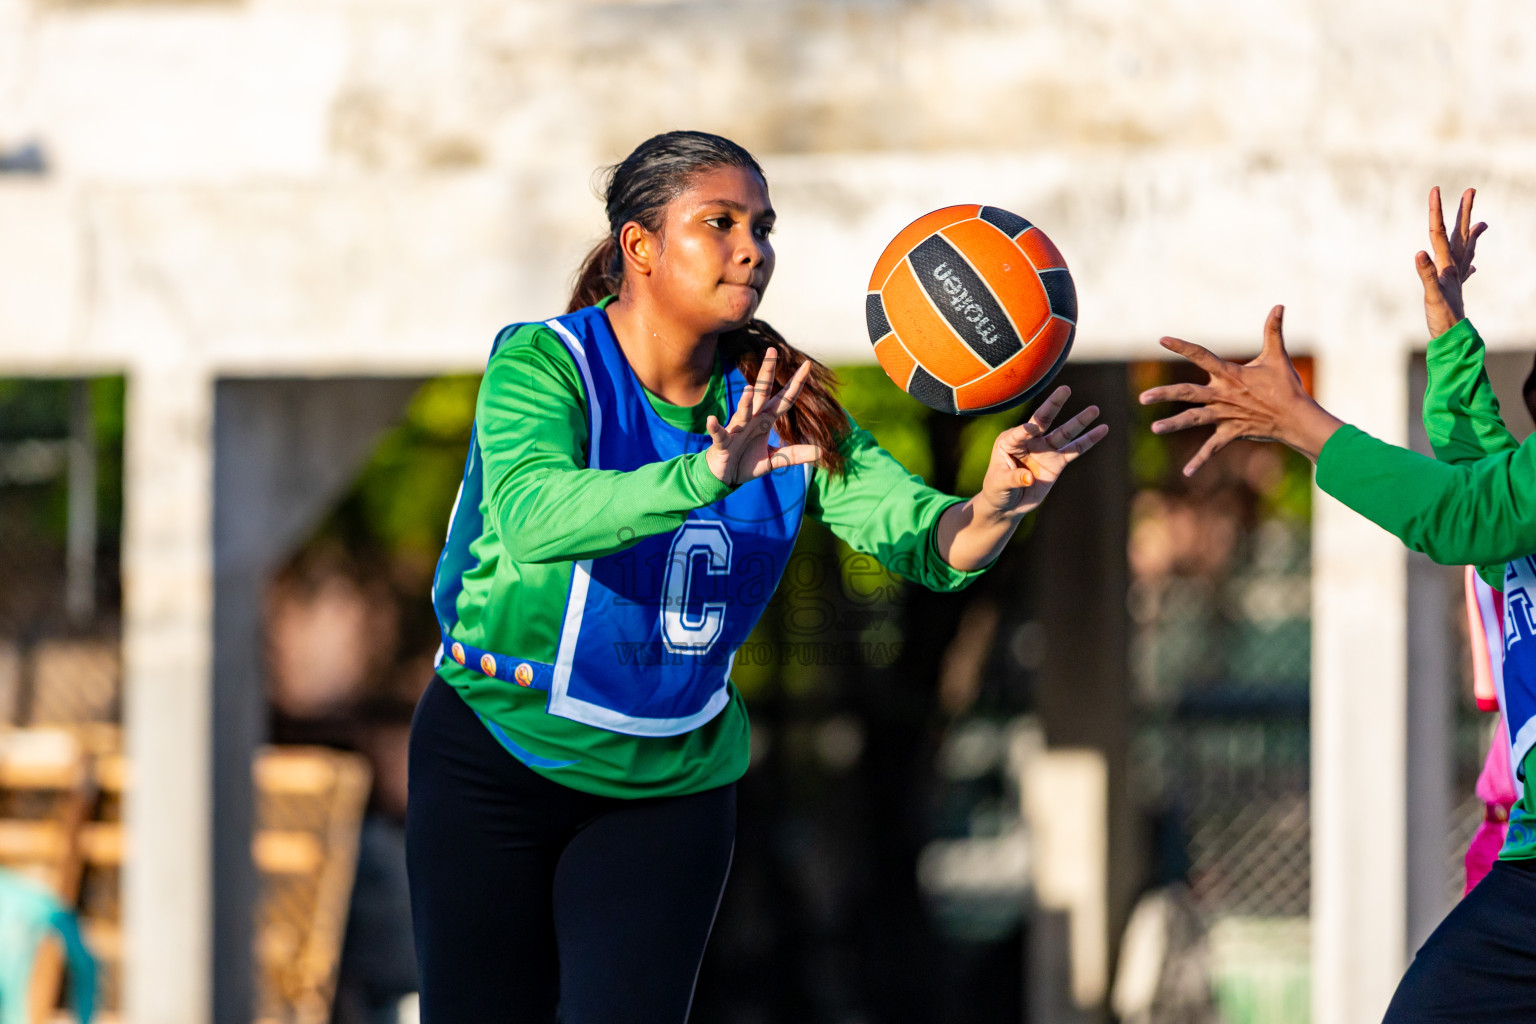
x=1475 y=504
x=638 y=473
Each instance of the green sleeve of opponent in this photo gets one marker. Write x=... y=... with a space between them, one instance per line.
x=879 y=509
x=1461 y=412
x=1483 y=513
x=531 y=425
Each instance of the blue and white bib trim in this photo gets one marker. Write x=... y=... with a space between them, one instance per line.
x=1516 y=683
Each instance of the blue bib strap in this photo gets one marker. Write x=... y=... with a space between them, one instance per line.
x=535 y=675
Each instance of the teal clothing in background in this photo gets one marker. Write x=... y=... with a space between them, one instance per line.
x=28 y=913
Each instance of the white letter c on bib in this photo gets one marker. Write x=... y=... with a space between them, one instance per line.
x=687 y=628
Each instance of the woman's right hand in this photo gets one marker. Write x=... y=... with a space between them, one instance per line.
x=1445 y=272
x=1260 y=400
x=741 y=451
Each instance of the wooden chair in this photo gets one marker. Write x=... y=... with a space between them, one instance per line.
x=102 y=849
x=46 y=791
x=74 y=681
x=310 y=803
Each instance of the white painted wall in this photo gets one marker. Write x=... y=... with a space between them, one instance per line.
x=274 y=186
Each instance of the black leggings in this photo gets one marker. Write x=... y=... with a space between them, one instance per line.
x=529 y=897
x=1480 y=964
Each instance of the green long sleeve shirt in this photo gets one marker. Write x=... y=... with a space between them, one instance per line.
x=544 y=510
x=1472 y=508
x=1461 y=412
x=1474 y=503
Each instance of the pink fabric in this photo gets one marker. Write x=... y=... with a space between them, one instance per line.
x=1484 y=852
x=1485 y=627
x=1496 y=789
x=1496 y=784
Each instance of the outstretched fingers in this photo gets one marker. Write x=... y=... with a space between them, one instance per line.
x=1213 y=444
x=1017 y=439
x=1073 y=427
x=1072 y=450
x=1274 y=335
x=1199 y=355
x=1430 y=276
x=780 y=459
x=1467 y=234
x=764 y=384
x=1199 y=417
x=1200 y=393
x=1046 y=414
x=794 y=455
x=716 y=432
x=1464 y=244
x=1439 y=241
x=781 y=403
x=1464 y=228
x=742 y=413
x=1467 y=269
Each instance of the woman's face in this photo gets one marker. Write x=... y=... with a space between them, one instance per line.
x=714 y=259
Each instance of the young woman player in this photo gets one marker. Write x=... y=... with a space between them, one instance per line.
x=1476 y=504
x=638 y=472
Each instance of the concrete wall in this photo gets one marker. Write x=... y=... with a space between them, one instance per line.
x=271 y=187
x=321 y=185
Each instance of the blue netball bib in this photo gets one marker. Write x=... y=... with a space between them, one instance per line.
x=649 y=632
x=1517 y=692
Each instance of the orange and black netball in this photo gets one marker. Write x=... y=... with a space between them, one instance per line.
x=971 y=309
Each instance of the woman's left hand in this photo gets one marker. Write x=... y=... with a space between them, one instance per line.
x=1029 y=458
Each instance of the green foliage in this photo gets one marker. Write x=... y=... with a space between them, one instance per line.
x=108 y=396
x=898 y=421
x=976 y=442
x=400 y=503
x=1291 y=497
x=33 y=408
x=1150 y=461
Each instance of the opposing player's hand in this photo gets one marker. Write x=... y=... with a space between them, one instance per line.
x=1444 y=272
x=741 y=451
x=1029 y=458
x=1260 y=400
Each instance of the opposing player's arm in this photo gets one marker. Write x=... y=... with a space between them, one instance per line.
x=1482 y=513
x=1470 y=507
x=1461 y=413
x=547 y=506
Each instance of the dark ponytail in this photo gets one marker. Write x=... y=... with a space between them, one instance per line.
x=598 y=277
x=638 y=189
